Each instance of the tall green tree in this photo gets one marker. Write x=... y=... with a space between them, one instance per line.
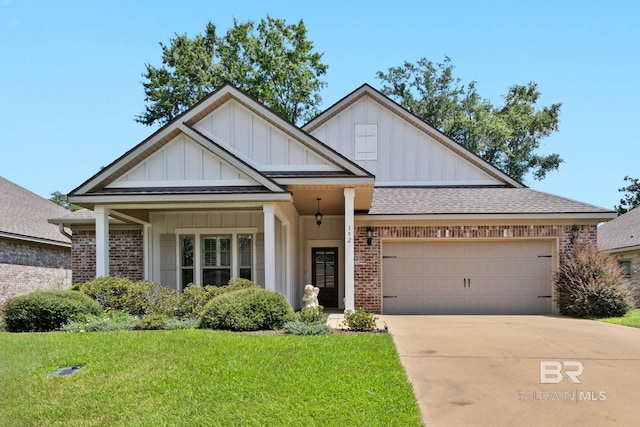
x=59 y=199
x=631 y=198
x=271 y=60
x=508 y=136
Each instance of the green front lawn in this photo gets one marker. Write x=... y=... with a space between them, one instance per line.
x=203 y=378
x=632 y=318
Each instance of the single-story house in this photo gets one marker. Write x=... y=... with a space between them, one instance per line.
x=366 y=201
x=621 y=237
x=34 y=254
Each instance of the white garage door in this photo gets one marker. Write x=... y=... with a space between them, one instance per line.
x=486 y=277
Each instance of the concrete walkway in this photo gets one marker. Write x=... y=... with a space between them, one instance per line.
x=486 y=370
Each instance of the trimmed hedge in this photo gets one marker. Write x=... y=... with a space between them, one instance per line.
x=195 y=298
x=45 y=311
x=247 y=310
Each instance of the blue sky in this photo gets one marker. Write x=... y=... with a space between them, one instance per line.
x=70 y=73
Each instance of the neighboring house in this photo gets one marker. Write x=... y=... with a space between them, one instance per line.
x=621 y=237
x=411 y=221
x=33 y=253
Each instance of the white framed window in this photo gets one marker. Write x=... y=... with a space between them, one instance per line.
x=366 y=142
x=213 y=256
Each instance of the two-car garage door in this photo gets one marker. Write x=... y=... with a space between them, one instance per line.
x=483 y=277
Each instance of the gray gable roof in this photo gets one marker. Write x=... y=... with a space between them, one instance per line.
x=475 y=200
x=23 y=215
x=621 y=233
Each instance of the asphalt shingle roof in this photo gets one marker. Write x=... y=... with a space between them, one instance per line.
x=24 y=214
x=470 y=200
x=621 y=232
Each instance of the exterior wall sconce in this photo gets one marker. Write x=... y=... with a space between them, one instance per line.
x=369 y=235
x=318 y=214
x=575 y=232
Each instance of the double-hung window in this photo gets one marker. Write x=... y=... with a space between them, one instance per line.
x=216 y=260
x=212 y=257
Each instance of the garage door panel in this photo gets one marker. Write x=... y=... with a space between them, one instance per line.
x=490 y=277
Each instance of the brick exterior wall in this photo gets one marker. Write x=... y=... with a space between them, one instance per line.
x=26 y=267
x=19 y=252
x=23 y=279
x=633 y=282
x=126 y=254
x=368 y=259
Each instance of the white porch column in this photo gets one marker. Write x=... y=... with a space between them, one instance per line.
x=146 y=247
x=349 y=292
x=102 y=241
x=269 y=247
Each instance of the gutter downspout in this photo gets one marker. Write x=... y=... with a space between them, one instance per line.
x=63 y=232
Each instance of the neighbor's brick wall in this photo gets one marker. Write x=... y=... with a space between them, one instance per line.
x=368 y=259
x=126 y=257
x=633 y=282
x=34 y=254
x=28 y=266
x=23 y=279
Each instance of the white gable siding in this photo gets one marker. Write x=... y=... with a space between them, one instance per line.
x=405 y=154
x=182 y=162
x=256 y=141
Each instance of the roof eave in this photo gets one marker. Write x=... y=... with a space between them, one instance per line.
x=35 y=239
x=623 y=249
x=583 y=216
x=196 y=197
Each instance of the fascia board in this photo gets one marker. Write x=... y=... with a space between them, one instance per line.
x=599 y=217
x=151 y=198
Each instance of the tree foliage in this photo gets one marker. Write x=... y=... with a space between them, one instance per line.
x=508 y=136
x=59 y=199
x=272 y=61
x=631 y=197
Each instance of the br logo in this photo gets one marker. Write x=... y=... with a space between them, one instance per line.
x=554 y=371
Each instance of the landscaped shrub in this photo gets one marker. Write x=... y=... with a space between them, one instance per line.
x=312 y=315
x=360 y=320
x=308 y=321
x=107 y=322
x=247 y=310
x=44 y=311
x=194 y=298
x=136 y=298
x=151 y=322
x=589 y=284
x=296 y=327
x=172 y=324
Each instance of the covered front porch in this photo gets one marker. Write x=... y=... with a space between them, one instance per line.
x=277 y=244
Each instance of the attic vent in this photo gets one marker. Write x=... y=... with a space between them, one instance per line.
x=366 y=146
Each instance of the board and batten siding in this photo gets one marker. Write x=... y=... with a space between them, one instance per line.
x=164 y=225
x=240 y=130
x=164 y=243
x=405 y=154
x=182 y=161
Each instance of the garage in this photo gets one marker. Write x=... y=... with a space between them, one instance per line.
x=467 y=277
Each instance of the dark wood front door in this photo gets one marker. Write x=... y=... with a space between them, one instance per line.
x=325 y=275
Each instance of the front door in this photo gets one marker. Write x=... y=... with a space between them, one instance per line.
x=325 y=275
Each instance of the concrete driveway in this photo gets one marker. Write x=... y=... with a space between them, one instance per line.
x=486 y=370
